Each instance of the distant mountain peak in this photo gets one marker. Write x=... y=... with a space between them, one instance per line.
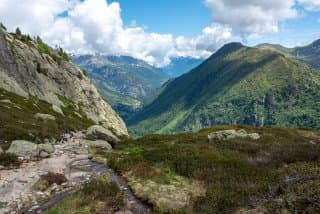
x=229 y=48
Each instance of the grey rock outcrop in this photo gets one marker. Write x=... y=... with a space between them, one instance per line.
x=97 y=132
x=24 y=148
x=98 y=144
x=231 y=134
x=27 y=149
x=24 y=70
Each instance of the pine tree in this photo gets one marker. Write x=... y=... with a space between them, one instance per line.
x=18 y=31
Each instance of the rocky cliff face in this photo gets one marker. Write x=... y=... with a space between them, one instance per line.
x=30 y=68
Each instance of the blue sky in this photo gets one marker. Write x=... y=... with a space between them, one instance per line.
x=158 y=30
x=179 y=17
x=189 y=17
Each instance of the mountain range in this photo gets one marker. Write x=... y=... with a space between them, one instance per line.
x=266 y=85
x=128 y=83
x=309 y=54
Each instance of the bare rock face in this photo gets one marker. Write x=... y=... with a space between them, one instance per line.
x=25 y=71
x=100 y=133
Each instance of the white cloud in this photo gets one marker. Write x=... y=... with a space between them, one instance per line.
x=252 y=17
x=93 y=26
x=313 y=5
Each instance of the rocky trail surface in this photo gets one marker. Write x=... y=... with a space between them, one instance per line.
x=70 y=159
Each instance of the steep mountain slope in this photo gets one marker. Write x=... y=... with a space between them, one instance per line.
x=309 y=54
x=236 y=85
x=122 y=80
x=181 y=65
x=36 y=82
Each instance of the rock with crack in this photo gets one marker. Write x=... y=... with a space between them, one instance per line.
x=231 y=134
x=97 y=132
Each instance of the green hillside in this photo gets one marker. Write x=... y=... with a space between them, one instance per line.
x=123 y=81
x=309 y=54
x=236 y=85
x=277 y=173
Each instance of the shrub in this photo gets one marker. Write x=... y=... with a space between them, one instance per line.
x=52 y=178
x=9 y=160
x=100 y=190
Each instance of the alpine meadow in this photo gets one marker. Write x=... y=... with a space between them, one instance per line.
x=165 y=107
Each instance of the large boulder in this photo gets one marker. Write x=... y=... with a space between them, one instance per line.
x=27 y=149
x=231 y=134
x=97 y=132
x=98 y=144
x=24 y=148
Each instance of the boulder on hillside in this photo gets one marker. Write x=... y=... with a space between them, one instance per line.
x=98 y=144
x=44 y=116
x=57 y=109
x=97 y=132
x=24 y=148
x=231 y=134
x=27 y=149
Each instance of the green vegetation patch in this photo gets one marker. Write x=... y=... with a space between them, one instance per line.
x=97 y=196
x=9 y=160
x=18 y=121
x=236 y=173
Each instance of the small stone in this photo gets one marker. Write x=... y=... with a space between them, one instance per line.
x=48 y=148
x=254 y=136
x=44 y=116
x=44 y=154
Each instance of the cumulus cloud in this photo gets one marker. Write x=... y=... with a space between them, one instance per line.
x=252 y=17
x=94 y=26
x=312 y=5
